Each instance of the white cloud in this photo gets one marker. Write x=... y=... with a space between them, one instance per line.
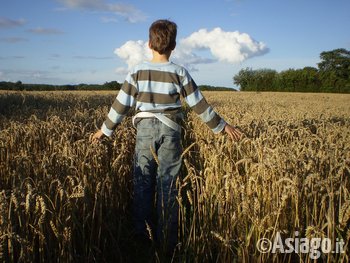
x=186 y=57
x=129 y=12
x=231 y=47
x=134 y=52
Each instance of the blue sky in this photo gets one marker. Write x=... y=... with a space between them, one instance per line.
x=94 y=41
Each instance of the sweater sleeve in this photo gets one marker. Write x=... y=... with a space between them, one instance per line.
x=125 y=100
x=196 y=101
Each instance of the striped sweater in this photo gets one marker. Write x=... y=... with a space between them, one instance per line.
x=157 y=87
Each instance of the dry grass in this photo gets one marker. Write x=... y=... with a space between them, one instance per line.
x=63 y=199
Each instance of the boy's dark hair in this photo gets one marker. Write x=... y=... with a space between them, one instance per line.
x=162 y=36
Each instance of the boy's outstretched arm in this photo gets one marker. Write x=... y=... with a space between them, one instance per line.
x=233 y=132
x=195 y=99
x=120 y=107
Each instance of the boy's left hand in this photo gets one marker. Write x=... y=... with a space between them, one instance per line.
x=97 y=137
x=233 y=132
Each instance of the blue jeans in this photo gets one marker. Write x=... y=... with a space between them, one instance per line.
x=155 y=185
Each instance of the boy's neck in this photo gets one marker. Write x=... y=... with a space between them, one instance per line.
x=160 y=58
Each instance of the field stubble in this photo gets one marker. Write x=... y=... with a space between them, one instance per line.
x=63 y=199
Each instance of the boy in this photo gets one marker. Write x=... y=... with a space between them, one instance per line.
x=154 y=89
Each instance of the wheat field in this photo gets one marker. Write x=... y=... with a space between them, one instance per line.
x=63 y=199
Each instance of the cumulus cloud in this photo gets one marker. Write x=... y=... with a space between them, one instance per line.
x=186 y=57
x=129 y=12
x=8 y=23
x=230 y=47
x=133 y=52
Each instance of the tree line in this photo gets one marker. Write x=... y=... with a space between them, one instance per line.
x=332 y=75
x=4 y=85
x=113 y=85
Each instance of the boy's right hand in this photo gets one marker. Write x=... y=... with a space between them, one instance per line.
x=97 y=137
x=233 y=132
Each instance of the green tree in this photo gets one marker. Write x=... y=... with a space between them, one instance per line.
x=335 y=69
x=265 y=79
x=310 y=79
x=244 y=79
x=113 y=85
x=288 y=80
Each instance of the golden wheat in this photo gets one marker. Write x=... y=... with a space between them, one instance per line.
x=63 y=199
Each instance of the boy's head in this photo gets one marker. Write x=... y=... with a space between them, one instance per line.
x=162 y=36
